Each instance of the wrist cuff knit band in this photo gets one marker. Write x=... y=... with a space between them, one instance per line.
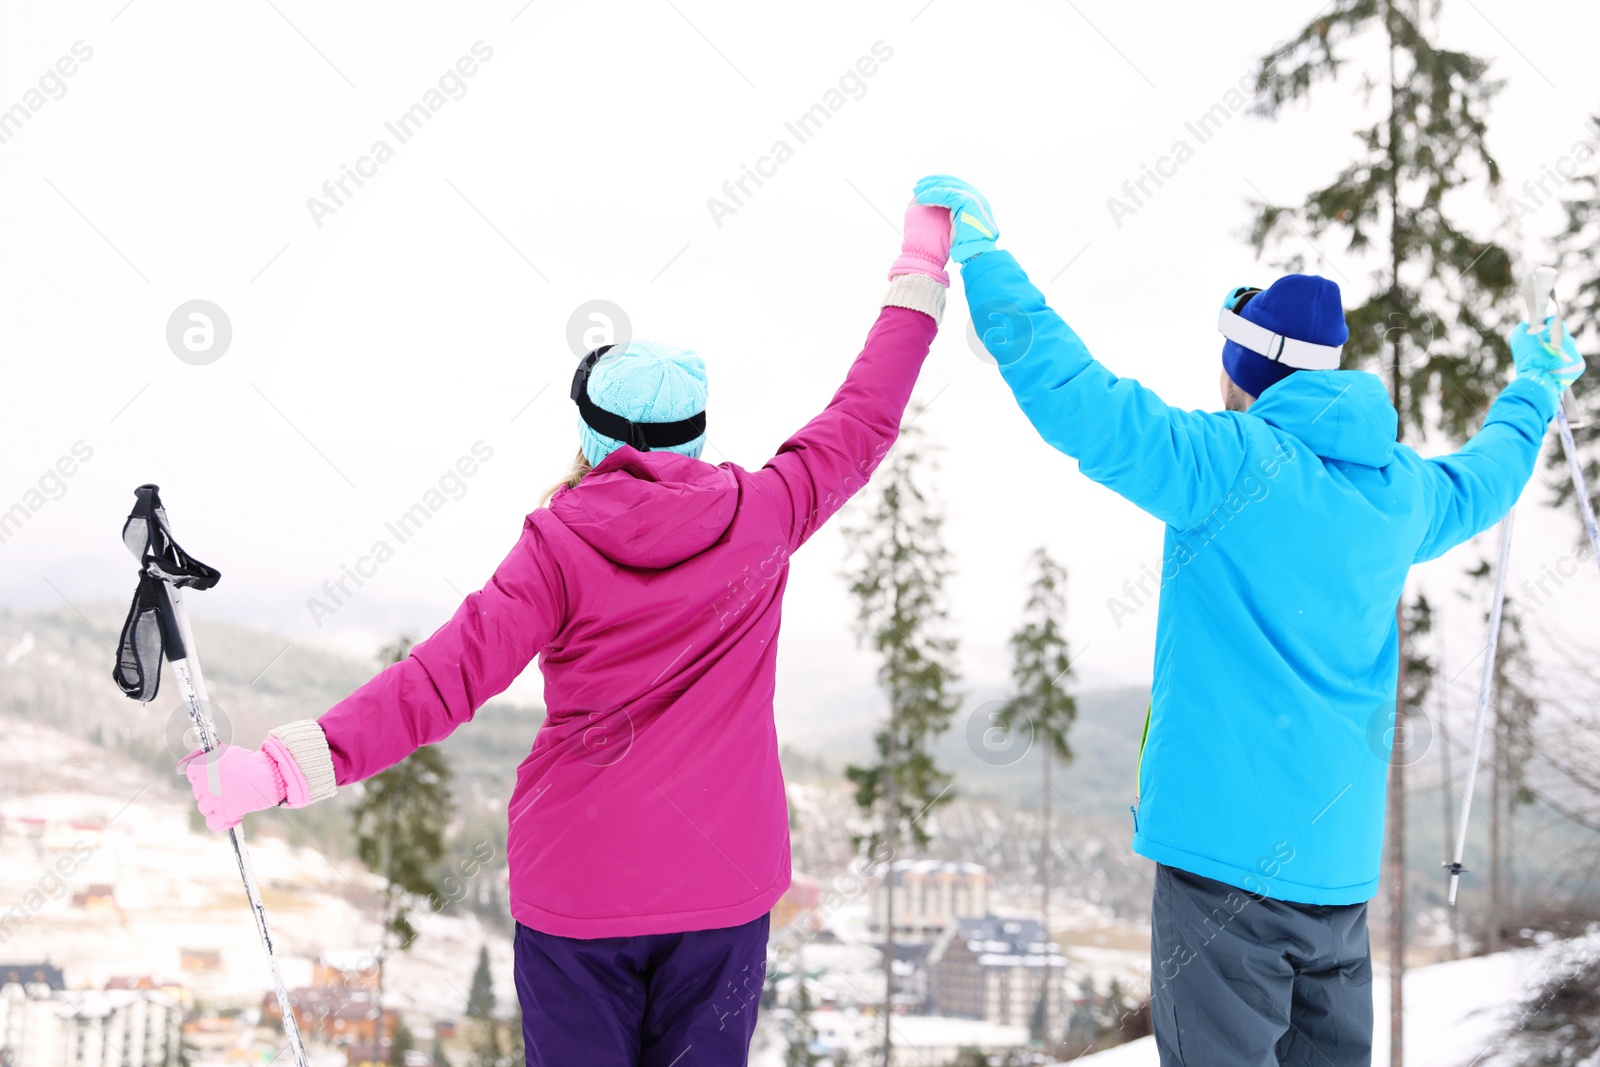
x=305 y=741
x=917 y=292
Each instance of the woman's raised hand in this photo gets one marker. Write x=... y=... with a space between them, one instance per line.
x=926 y=245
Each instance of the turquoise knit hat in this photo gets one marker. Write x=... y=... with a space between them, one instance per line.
x=646 y=381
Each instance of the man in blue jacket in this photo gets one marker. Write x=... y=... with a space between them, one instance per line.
x=1292 y=520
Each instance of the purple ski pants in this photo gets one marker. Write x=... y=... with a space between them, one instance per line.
x=656 y=1000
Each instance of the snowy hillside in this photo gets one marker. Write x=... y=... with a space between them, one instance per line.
x=1465 y=1013
x=174 y=892
x=109 y=877
x=55 y=666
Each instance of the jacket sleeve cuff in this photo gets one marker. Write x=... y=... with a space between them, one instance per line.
x=306 y=744
x=1544 y=399
x=984 y=262
x=917 y=292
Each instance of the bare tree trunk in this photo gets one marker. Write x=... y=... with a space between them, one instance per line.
x=1396 y=814
x=891 y=831
x=1397 y=863
x=383 y=954
x=1496 y=802
x=377 y=1026
x=1044 y=903
x=1508 y=863
x=1447 y=790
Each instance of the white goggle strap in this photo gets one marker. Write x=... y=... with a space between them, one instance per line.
x=1302 y=355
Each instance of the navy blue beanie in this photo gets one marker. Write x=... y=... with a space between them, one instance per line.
x=1303 y=306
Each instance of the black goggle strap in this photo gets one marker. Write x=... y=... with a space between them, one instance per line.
x=641 y=435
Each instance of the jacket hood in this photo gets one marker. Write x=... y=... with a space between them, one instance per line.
x=649 y=509
x=1343 y=415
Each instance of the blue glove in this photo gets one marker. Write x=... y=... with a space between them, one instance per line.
x=1539 y=359
x=975 y=229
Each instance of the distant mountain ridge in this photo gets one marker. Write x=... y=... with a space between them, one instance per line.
x=56 y=666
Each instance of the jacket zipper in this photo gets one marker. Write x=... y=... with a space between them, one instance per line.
x=1138 y=769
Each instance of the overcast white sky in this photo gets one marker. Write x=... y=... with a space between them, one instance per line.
x=429 y=312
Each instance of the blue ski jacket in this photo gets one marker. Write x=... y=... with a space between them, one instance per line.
x=1290 y=530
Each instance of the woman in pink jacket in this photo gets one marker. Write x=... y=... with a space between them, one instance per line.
x=649 y=834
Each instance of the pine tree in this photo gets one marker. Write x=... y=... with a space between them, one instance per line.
x=1037 y=1032
x=1515 y=707
x=400 y=1044
x=1414 y=684
x=1417 y=674
x=1447 y=787
x=1115 y=1010
x=486 y=1049
x=1581 y=277
x=900 y=566
x=400 y=818
x=800 y=1032
x=1434 y=318
x=491 y=1048
x=1420 y=669
x=1039 y=667
x=1082 y=1025
x=480 y=996
x=516 y=1053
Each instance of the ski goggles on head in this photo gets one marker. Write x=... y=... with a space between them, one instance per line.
x=1254 y=337
x=643 y=436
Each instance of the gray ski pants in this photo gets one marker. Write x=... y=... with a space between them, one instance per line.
x=1246 y=981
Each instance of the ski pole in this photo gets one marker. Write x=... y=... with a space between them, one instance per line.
x=1537 y=292
x=186 y=668
x=157 y=627
x=1496 y=610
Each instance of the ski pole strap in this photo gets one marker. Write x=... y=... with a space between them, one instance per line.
x=149 y=537
x=147 y=634
x=150 y=631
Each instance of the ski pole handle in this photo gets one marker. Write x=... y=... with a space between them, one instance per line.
x=1536 y=290
x=1536 y=293
x=1573 y=422
x=1540 y=283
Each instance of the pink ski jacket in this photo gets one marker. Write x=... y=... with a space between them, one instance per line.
x=652 y=800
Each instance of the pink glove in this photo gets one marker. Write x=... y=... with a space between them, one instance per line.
x=926 y=247
x=228 y=782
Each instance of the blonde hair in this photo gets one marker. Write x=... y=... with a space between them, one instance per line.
x=580 y=467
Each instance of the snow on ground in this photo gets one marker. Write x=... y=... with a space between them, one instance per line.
x=176 y=890
x=1455 y=1012
x=66 y=825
